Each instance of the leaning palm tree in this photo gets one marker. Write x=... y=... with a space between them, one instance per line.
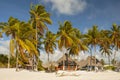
x=13 y=29
x=115 y=37
x=49 y=43
x=92 y=38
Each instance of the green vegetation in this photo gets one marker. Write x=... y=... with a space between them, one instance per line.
x=110 y=68
x=26 y=39
x=4 y=61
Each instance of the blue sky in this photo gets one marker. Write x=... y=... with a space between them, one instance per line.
x=82 y=13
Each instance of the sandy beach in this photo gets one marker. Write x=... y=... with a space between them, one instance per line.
x=11 y=74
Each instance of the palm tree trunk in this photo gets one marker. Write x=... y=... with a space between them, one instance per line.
x=33 y=62
x=91 y=59
x=114 y=58
x=16 y=60
x=8 y=60
x=109 y=59
x=95 y=54
x=63 y=62
x=66 y=60
x=63 y=65
x=48 y=62
x=17 y=50
x=36 y=49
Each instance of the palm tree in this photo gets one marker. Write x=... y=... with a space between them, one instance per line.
x=92 y=38
x=13 y=29
x=49 y=43
x=78 y=44
x=65 y=36
x=1 y=27
x=115 y=36
x=69 y=38
x=105 y=44
x=105 y=50
x=39 y=18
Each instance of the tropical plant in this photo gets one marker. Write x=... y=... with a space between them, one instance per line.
x=69 y=39
x=102 y=62
x=39 y=18
x=105 y=44
x=3 y=61
x=92 y=38
x=13 y=29
x=115 y=37
x=49 y=43
x=78 y=44
x=65 y=35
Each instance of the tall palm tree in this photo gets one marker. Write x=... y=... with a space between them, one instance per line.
x=105 y=44
x=50 y=43
x=115 y=37
x=92 y=38
x=39 y=18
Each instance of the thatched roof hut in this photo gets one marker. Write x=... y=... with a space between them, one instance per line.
x=67 y=62
x=90 y=61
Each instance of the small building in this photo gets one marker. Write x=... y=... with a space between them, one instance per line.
x=66 y=63
x=117 y=65
x=89 y=63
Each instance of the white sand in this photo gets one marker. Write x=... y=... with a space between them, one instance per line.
x=11 y=74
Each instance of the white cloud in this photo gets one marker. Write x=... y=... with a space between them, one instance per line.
x=4 y=46
x=68 y=7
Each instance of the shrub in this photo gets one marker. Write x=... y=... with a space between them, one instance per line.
x=109 y=68
x=40 y=68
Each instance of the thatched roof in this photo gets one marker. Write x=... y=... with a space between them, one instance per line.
x=67 y=60
x=81 y=63
x=117 y=64
x=90 y=61
x=61 y=59
x=46 y=65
